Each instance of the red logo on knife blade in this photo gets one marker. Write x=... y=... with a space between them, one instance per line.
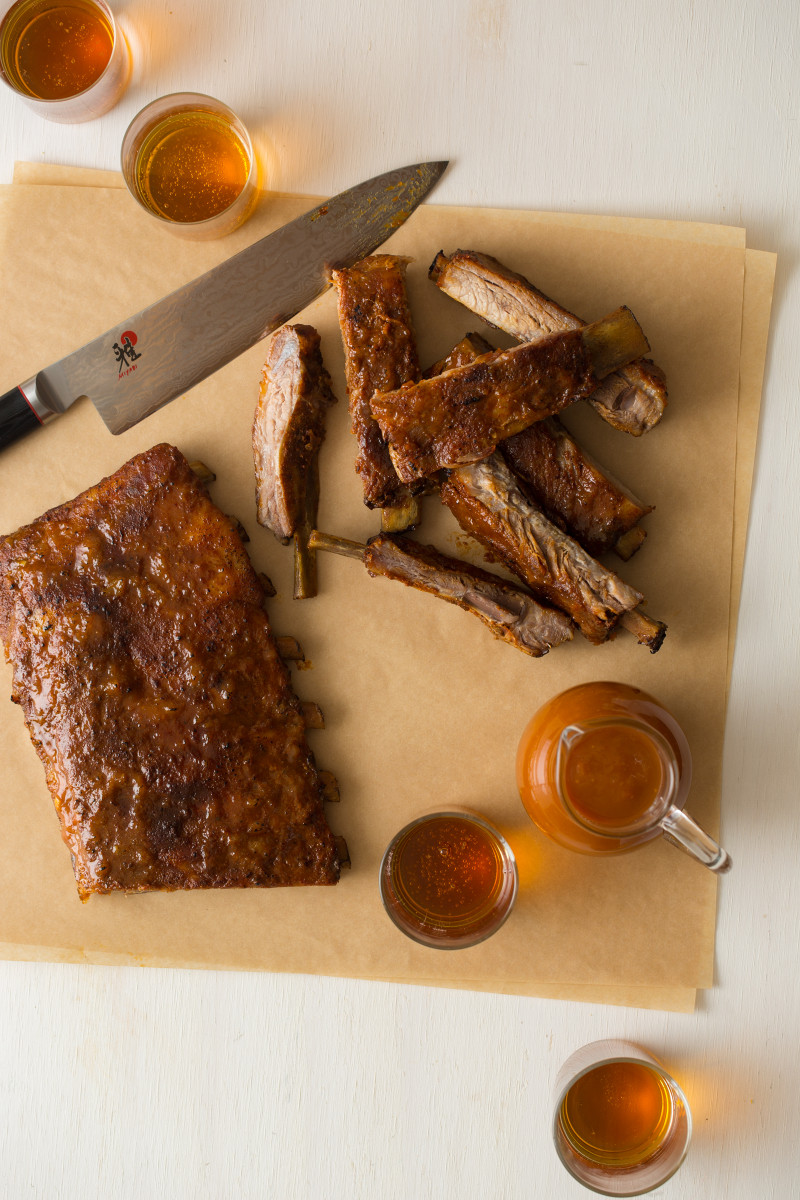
x=125 y=353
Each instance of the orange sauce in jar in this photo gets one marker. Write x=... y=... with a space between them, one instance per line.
x=448 y=880
x=447 y=870
x=591 y=767
x=612 y=776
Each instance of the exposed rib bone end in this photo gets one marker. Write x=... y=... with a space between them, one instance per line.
x=396 y=520
x=329 y=785
x=627 y=545
x=342 y=853
x=312 y=715
x=290 y=649
x=614 y=341
x=646 y=630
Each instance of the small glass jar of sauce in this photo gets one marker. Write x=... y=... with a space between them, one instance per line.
x=448 y=880
x=603 y=768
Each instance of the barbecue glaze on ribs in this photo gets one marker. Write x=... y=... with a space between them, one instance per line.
x=631 y=399
x=487 y=502
x=173 y=744
x=509 y=612
x=574 y=491
x=460 y=416
x=380 y=355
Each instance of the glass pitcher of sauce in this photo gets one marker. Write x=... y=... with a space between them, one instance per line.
x=603 y=768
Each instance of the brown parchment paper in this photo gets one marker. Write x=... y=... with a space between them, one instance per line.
x=422 y=709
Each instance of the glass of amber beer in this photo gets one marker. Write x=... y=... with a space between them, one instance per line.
x=604 y=767
x=68 y=59
x=621 y=1123
x=448 y=880
x=188 y=160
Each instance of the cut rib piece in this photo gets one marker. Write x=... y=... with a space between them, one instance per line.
x=488 y=503
x=509 y=611
x=288 y=429
x=471 y=346
x=572 y=488
x=153 y=691
x=380 y=355
x=289 y=425
x=574 y=491
x=632 y=399
x=460 y=416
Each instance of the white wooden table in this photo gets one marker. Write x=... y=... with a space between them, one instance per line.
x=128 y=1083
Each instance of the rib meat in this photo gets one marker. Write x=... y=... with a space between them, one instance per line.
x=288 y=427
x=152 y=689
x=460 y=416
x=488 y=503
x=380 y=355
x=509 y=611
x=631 y=399
x=471 y=346
x=574 y=491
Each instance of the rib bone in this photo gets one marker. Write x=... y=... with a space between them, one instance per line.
x=460 y=416
x=488 y=503
x=509 y=611
x=631 y=399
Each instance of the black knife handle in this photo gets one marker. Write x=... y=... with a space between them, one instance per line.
x=16 y=417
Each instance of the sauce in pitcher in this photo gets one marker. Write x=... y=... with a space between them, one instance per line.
x=598 y=765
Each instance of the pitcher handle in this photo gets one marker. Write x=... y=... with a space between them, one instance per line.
x=686 y=834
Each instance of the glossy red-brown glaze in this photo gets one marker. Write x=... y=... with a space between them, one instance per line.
x=460 y=416
x=153 y=691
x=572 y=489
x=380 y=355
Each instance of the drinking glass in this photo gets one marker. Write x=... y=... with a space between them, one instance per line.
x=189 y=162
x=67 y=59
x=621 y=1123
x=448 y=880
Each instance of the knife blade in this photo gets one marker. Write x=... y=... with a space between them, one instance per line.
x=144 y=361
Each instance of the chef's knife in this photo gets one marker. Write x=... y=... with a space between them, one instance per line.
x=148 y=359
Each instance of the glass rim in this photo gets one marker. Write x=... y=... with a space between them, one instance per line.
x=468 y=939
x=560 y=1141
x=117 y=33
x=241 y=131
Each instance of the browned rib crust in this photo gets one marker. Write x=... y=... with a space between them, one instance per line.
x=154 y=694
x=575 y=492
x=288 y=427
x=631 y=399
x=380 y=355
x=573 y=489
x=471 y=346
x=487 y=503
x=460 y=416
x=507 y=610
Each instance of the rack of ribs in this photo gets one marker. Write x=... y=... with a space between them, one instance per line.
x=574 y=491
x=488 y=503
x=173 y=744
x=461 y=415
x=631 y=399
x=288 y=429
x=380 y=355
x=509 y=611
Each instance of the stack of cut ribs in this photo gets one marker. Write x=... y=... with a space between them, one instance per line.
x=481 y=427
